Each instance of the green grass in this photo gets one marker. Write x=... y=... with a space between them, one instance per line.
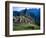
x=25 y=27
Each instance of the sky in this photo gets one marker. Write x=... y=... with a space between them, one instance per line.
x=20 y=8
x=17 y=9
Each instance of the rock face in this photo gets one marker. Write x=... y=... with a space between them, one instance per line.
x=22 y=19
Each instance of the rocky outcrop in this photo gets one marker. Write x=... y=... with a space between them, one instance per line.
x=22 y=19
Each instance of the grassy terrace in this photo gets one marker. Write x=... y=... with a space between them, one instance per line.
x=25 y=27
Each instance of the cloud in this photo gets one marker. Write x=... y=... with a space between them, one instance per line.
x=18 y=9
